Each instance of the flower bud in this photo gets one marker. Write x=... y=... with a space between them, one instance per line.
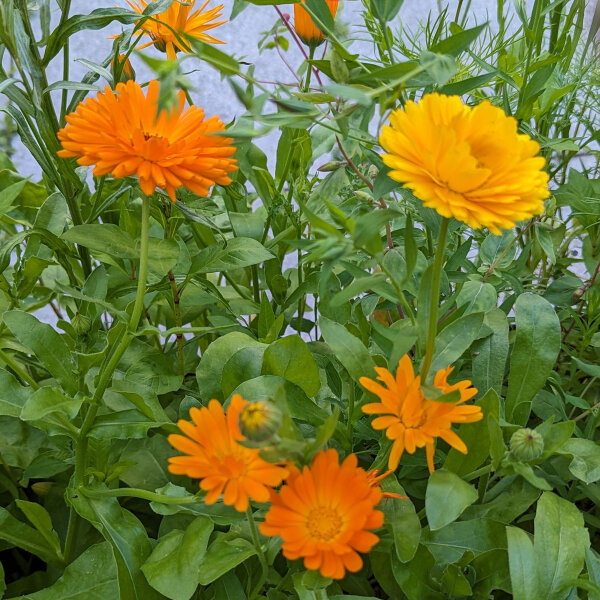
x=127 y=71
x=332 y=165
x=260 y=421
x=526 y=445
x=307 y=31
x=373 y=172
x=81 y=324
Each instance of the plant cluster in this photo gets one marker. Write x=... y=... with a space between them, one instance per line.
x=368 y=370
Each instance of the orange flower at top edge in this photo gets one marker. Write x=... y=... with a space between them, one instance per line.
x=304 y=26
x=216 y=457
x=410 y=419
x=121 y=132
x=324 y=513
x=470 y=163
x=178 y=18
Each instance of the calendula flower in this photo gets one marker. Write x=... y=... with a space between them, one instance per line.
x=466 y=162
x=216 y=457
x=410 y=419
x=122 y=133
x=168 y=30
x=307 y=31
x=324 y=515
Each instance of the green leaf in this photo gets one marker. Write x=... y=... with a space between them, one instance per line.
x=47 y=344
x=49 y=409
x=12 y=395
x=386 y=10
x=229 y=587
x=586 y=459
x=446 y=498
x=175 y=563
x=559 y=545
x=478 y=296
x=401 y=517
x=476 y=436
x=91 y=576
x=454 y=340
x=122 y=425
x=104 y=238
x=491 y=352
x=521 y=562
x=291 y=359
x=237 y=253
x=222 y=556
x=210 y=370
x=23 y=536
x=459 y=42
x=39 y=517
x=533 y=355
x=128 y=538
x=348 y=349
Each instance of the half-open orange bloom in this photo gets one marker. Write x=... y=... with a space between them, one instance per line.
x=470 y=163
x=324 y=514
x=121 y=132
x=216 y=457
x=304 y=26
x=169 y=29
x=410 y=419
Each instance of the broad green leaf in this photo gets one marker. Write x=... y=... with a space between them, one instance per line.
x=210 y=370
x=12 y=395
x=490 y=353
x=105 y=238
x=122 y=425
x=128 y=538
x=559 y=545
x=533 y=355
x=47 y=344
x=414 y=577
x=446 y=498
x=17 y=533
x=521 y=561
x=223 y=555
x=476 y=436
x=454 y=340
x=229 y=587
x=401 y=518
x=39 y=517
x=244 y=365
x=348 y=349
x=49 y=409
x=586 y=459
x=291 y=359
x=237 y=253
x=91 y=576
x=478 y=296
x=175 y=563
x=459 y=42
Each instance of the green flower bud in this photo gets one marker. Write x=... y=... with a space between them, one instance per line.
x=81 y=324
x=373 y=171
x=260 y=421
x=332 y=165
x=526 y=445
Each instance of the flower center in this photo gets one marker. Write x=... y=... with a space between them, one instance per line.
x=324 y=523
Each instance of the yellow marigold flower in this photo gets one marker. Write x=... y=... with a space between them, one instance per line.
x=122 y=133
x=464 y=162
x=178 y=19
x=410 y=419
x=307 y=31
x=324 y=513
x=216 y=457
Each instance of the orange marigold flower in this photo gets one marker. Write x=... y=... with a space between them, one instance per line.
x=466 y=162
x=375 y=480
x=307 y=31
x=410 y=419
x=122 y=133
x=324 y=514
x=168 y=30
x=216 y=457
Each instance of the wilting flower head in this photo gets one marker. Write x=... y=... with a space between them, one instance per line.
x=324 y=513
x=307 y=31
x=178 y=19
x=464 y=162
x=122 y=133
x=410 y=419
x=216 y=457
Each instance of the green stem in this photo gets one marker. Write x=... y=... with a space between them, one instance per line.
x=311 y=55
x=72 y=535
x=107 y=373
x=141 y=494
x=351 y=399
x=178 y=322
x=435 y=299
x=63 y=103
x=259 y=552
